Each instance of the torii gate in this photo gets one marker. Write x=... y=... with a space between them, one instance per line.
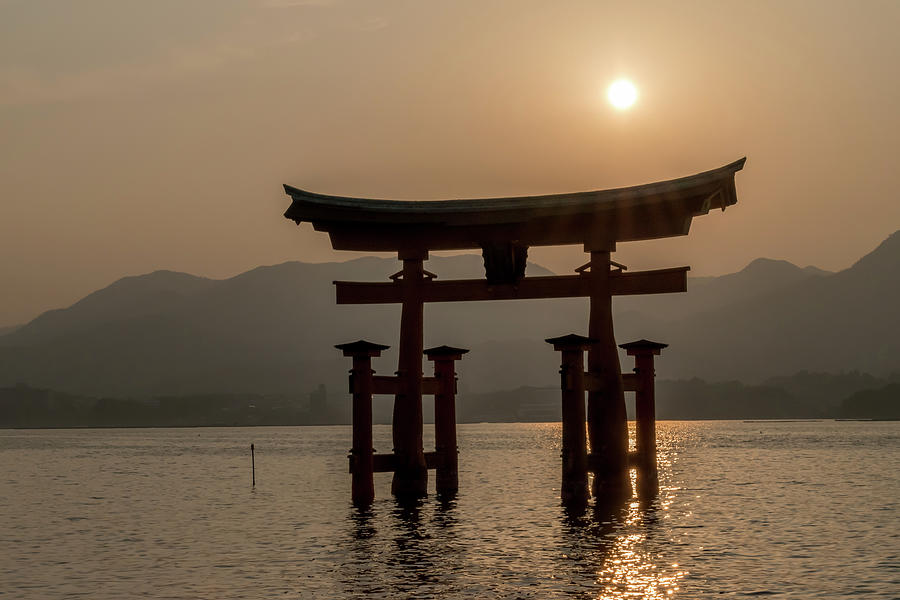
x=504 y=229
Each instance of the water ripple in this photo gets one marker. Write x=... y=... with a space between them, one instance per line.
x=800 y=510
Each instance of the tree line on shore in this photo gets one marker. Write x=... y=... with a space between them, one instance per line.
x=802 y=396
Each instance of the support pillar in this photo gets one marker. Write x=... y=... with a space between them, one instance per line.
x=606 y=416
x=411 y=474
x=574 y=488
x=361 y=462
x=643 y=352
x=447 y=469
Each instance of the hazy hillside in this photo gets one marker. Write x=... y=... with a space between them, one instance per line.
x=845 y=321
x=770 y=319
x=828 y=389
x=762 y=276
x=883 y=403
x=272 y=330
x=127 y=298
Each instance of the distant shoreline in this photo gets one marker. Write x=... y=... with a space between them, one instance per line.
x=23 y=407
x=461 y=423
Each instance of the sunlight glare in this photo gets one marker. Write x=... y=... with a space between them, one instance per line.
x=622 y=94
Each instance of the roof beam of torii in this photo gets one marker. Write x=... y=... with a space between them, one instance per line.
x=504 y=229
x=602 y=217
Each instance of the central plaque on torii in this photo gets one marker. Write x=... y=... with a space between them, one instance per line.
x=503 y=229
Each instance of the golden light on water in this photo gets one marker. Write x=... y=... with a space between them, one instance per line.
x=622 y=94
x=630 y=569
x=619 y=545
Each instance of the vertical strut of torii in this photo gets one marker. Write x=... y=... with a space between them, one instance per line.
x=503 y=229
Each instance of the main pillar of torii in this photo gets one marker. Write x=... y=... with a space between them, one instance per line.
x=503 y=229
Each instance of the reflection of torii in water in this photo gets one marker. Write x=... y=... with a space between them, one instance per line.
x=504 y=229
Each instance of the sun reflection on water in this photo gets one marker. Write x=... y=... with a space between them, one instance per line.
x=629 y=569
x=609 y=549
x=617 y=540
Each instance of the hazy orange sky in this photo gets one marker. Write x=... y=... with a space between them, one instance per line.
x=156 y=134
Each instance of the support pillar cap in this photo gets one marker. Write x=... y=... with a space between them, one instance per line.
x=445 y=352
x=361 y=348
x=571 y=342
x=643 y=346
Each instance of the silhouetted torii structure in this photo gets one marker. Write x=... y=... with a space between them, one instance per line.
x=503 y=229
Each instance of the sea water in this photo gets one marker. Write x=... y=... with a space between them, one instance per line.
x=783 y=510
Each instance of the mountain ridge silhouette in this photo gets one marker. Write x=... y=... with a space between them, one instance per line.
x=272 y=328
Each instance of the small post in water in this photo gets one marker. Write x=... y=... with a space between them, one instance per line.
x=253 y=465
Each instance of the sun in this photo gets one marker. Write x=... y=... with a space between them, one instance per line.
x=622 y=94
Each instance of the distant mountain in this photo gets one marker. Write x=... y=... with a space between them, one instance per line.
x=761 y=277
x=272 y=330
x=883 y=403
x=834 y=323
x=128 y=298
x=828 y=389
x=771 y=319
